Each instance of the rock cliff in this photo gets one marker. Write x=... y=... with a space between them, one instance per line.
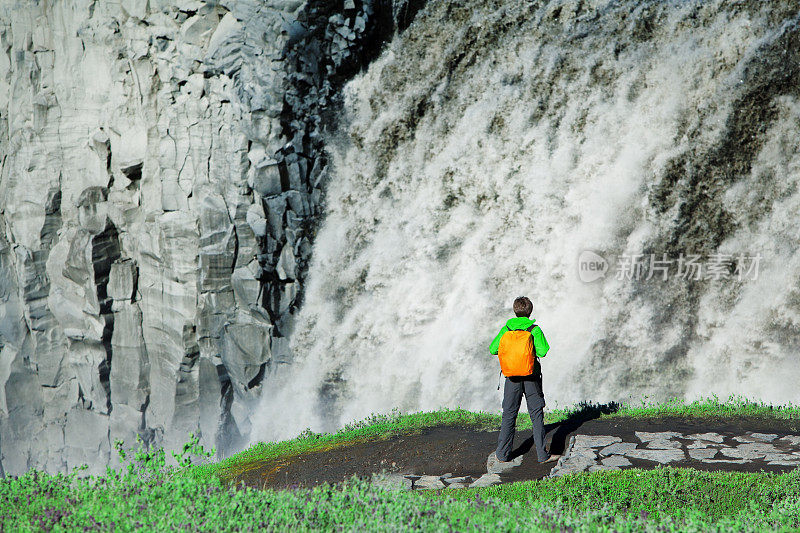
x=162 y=167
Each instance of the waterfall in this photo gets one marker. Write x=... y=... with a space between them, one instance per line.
x=495 y=142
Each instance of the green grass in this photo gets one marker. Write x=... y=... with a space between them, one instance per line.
x=713 y=407
x=665 y=499
x=384 y=426
x=149 y=494
x=661 y=492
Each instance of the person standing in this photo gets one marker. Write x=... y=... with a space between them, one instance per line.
x=518 y=346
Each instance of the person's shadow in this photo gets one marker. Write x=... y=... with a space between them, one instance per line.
x=558 y=442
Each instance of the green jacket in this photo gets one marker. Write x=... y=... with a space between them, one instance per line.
x=522 y=322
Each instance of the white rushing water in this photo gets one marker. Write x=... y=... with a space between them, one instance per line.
x=491 y=144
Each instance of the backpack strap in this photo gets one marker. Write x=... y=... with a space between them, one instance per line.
x=529 y=330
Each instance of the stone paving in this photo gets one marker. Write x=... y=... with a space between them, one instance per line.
x=606 y=452
x=445 y=481
x=593 y=453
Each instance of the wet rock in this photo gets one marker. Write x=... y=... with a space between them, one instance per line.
x=226 y=31
x=257 y=220
x=123 y=280
x=286 y=267
x=198 y=28
x=140 y=294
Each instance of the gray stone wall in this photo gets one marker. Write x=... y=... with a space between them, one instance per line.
x=162 y=169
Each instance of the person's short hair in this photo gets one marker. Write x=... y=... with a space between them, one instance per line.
x=523 y=306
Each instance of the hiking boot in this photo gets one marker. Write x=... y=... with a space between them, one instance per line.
x=496 y=466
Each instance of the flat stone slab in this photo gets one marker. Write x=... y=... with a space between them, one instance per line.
x=616 y=460
x=645 y=436
x=703 y=444
x=794 y=440
x=461 y=479
x=571 y=465
x=658 y=456
x=392 y=482
x=750 y=450
x=781 y=457
x=759 y=446
x=597 y=468
x=756 y=437
x=618 y=448
x=429 y=482
x=663 y=444
x=458 y=486
x=495 y=466
x=711 y=437
x=568 y=470
x=595 y=441
x=701 y=454
x=578 y=461
x=738 y=453
x=728 y=461
x=785 y=463
x=486 y=480
x=588 y=453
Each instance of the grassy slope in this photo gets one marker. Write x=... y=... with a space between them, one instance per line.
x=384 y=426
x=154 y=497
x=664 y=499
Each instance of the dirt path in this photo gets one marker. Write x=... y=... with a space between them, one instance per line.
x=463 y=452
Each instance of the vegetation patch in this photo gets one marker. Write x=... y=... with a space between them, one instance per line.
x=381 y=426
x=148 y=493
x=664 y=499
x=663 y=492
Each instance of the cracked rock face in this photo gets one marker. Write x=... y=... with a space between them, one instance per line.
x=161 y=172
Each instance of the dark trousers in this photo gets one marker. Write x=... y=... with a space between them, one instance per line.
x=515 y=387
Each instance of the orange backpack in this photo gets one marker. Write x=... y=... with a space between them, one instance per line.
x=516 y=353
